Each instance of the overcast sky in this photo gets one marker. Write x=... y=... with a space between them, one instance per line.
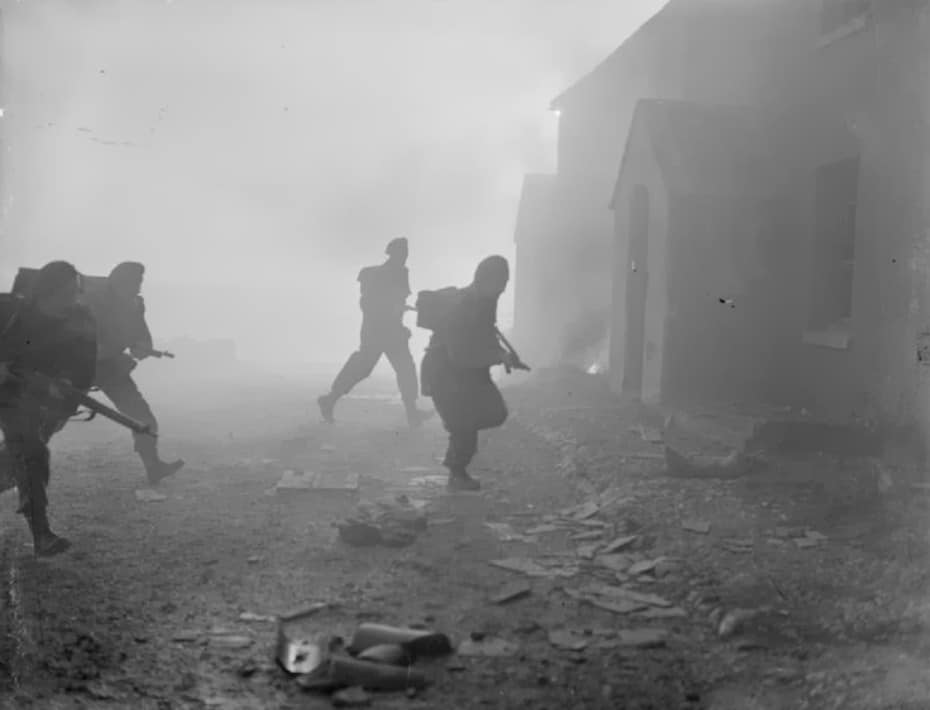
x=281 y=143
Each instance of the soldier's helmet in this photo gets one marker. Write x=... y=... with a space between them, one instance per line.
x=397 y=247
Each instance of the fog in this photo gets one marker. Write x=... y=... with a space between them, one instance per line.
x=255 y=154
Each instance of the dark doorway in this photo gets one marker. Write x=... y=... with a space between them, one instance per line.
x=637 y=278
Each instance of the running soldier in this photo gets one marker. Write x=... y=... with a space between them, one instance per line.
x=120 y=314
x=45 y=337
x=456 y=369
x=385 y=289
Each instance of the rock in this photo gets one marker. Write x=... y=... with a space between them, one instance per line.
x=231 y=641
x=587 y=552
x=506 y=533
x=543 y=529
x=618 y=544
x=666 y=613
x=260 y=618
x=511 y=592
x=615 y=563
x=148 y=495
x=532 y=568
x=644 y=566
x=643 y=638
x=592 y=535
x=492 y=648
x=351 y=698
x=696 y=526
x=568 y=640
x=734 y=620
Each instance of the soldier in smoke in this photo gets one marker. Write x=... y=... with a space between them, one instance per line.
x=384 y=292
x=456 y=369
x=50 y=335
x=120 y=313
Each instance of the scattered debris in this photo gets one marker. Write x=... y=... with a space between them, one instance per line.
x=734 y=465
x=543 y=529
x=149 y=495
x=650 y=435
x=619 y=544
x=581 y=512
x=734 y=620
x=351 y=698
x=674 y=612
x=420 y=643
x=393 y=523
x=511 y=592
x=743 y=546
x=436 y=480
x=696 y=526
x=568 y=640
x=262 y=618
x=231 y=641
x=507 y=534
x=616 y=562
x=592 y=535
x=587 y=552
x=186 y=637
x=390 y=653
x=643 y=638
x=533 y=568
x=310 y=481
x=605 y=597
x=489 y=647
x=638 y=568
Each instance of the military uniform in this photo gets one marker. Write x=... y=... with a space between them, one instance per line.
x=61 y=348
x=384 y=292
x=456 y=373
x=121 y=325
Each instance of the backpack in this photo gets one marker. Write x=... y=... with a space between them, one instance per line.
x=436 y=308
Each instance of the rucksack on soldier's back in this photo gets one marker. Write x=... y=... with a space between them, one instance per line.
x=435 y=308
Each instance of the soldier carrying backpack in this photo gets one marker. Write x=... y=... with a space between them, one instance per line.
x=456 y=369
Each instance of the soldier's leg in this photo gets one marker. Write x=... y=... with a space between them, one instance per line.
x=27 y=446
x=358 y=367
x=463 y=444
x=398 y=354
x=127 y=398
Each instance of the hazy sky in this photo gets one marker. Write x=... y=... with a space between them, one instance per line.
x=270 y=148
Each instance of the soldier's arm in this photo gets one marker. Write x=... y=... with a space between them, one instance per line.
x=143 y=344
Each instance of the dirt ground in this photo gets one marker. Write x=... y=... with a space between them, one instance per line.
x=147 y=609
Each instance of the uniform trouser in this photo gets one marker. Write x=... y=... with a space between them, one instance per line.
x=377 y=339
x=26 y=432
x=126 y=397
x=467 y=401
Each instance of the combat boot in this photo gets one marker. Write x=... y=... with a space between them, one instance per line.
x=459 y=480
x=159 y=470
x=45 y=543
x=327 y=404
x=417 y=417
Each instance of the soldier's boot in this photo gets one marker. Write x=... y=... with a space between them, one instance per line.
x=459 y=480
x=157 y=470
x=417 y=417
x=45 y=543
x=327 y=405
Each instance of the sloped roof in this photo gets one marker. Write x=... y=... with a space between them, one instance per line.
x=682 y=28
x=708 y=148
x=536 y=203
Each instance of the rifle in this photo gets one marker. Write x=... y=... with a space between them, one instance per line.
x=158 y=353
x=518 y=364
x=70 y=391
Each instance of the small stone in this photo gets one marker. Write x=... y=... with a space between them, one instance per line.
x=351 y=698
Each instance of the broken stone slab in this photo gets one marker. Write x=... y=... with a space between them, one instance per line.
x=231 y=641
x=568 y=640
x=351 y=698
x=674 y=612
x=420 y=643
x=506 y=533
x=249 y=616
x=511 y=592
x=488 y=647
x=391 y=654
x=738 y=546
x=615 y=562
x=651 y=435
x=585 y=536
x=292 y=481
x=696 y=526
x=596 y=596
x=587 y=552
x=148 y=495
x=581 y=512
x=643 y=638
x=619 y=543
x=543 y=529
x=734 y=465
x=532 y=568
x=644 y=566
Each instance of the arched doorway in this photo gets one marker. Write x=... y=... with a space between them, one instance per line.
x=637 y=278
